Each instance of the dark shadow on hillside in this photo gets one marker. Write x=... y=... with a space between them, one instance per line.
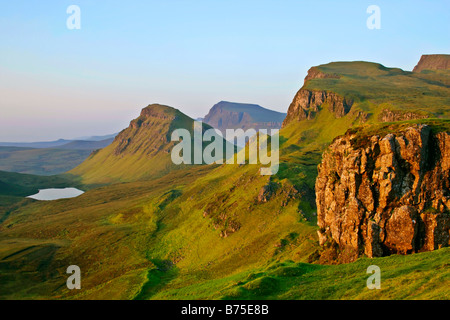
x=157 y=278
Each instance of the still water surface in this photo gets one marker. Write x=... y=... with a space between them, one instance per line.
x=55 y=194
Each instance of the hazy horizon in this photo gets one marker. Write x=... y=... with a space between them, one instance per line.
x=61 y=83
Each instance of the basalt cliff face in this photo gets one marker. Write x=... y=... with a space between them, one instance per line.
x=152 y=119
x=374 y=93
x=307 y=103
x=433 y=62
x=378 y=195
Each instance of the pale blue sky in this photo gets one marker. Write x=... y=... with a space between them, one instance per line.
x=61 y=83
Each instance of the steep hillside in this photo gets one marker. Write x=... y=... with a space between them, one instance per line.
x=139 y=152
x=214 y=232
x=229 y=115
x=373 y=92
x=339 y=96
x=87 y=145
x=202 y=235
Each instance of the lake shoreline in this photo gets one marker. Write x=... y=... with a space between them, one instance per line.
x=51 y=194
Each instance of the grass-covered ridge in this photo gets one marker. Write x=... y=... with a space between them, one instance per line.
x=369 y=84
x=141 y=151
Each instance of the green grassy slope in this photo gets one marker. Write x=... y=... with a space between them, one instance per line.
x=105 y=231
x=142 y=151
x=206 y=232
x=17 y=184
x=419 y=276
x=173 y=251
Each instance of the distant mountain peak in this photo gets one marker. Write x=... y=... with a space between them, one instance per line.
x=225 y=104
x=233 y=115
x=155 y=111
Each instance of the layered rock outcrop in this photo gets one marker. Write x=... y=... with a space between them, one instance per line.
x=315 y=73
x=307 y=104
x=433 y=62
x=380 y=195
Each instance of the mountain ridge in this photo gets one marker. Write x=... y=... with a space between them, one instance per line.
x=141 y=151
x=374 y=91
x=231 y=115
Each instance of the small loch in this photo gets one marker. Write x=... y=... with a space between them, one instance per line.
x=56 y=194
